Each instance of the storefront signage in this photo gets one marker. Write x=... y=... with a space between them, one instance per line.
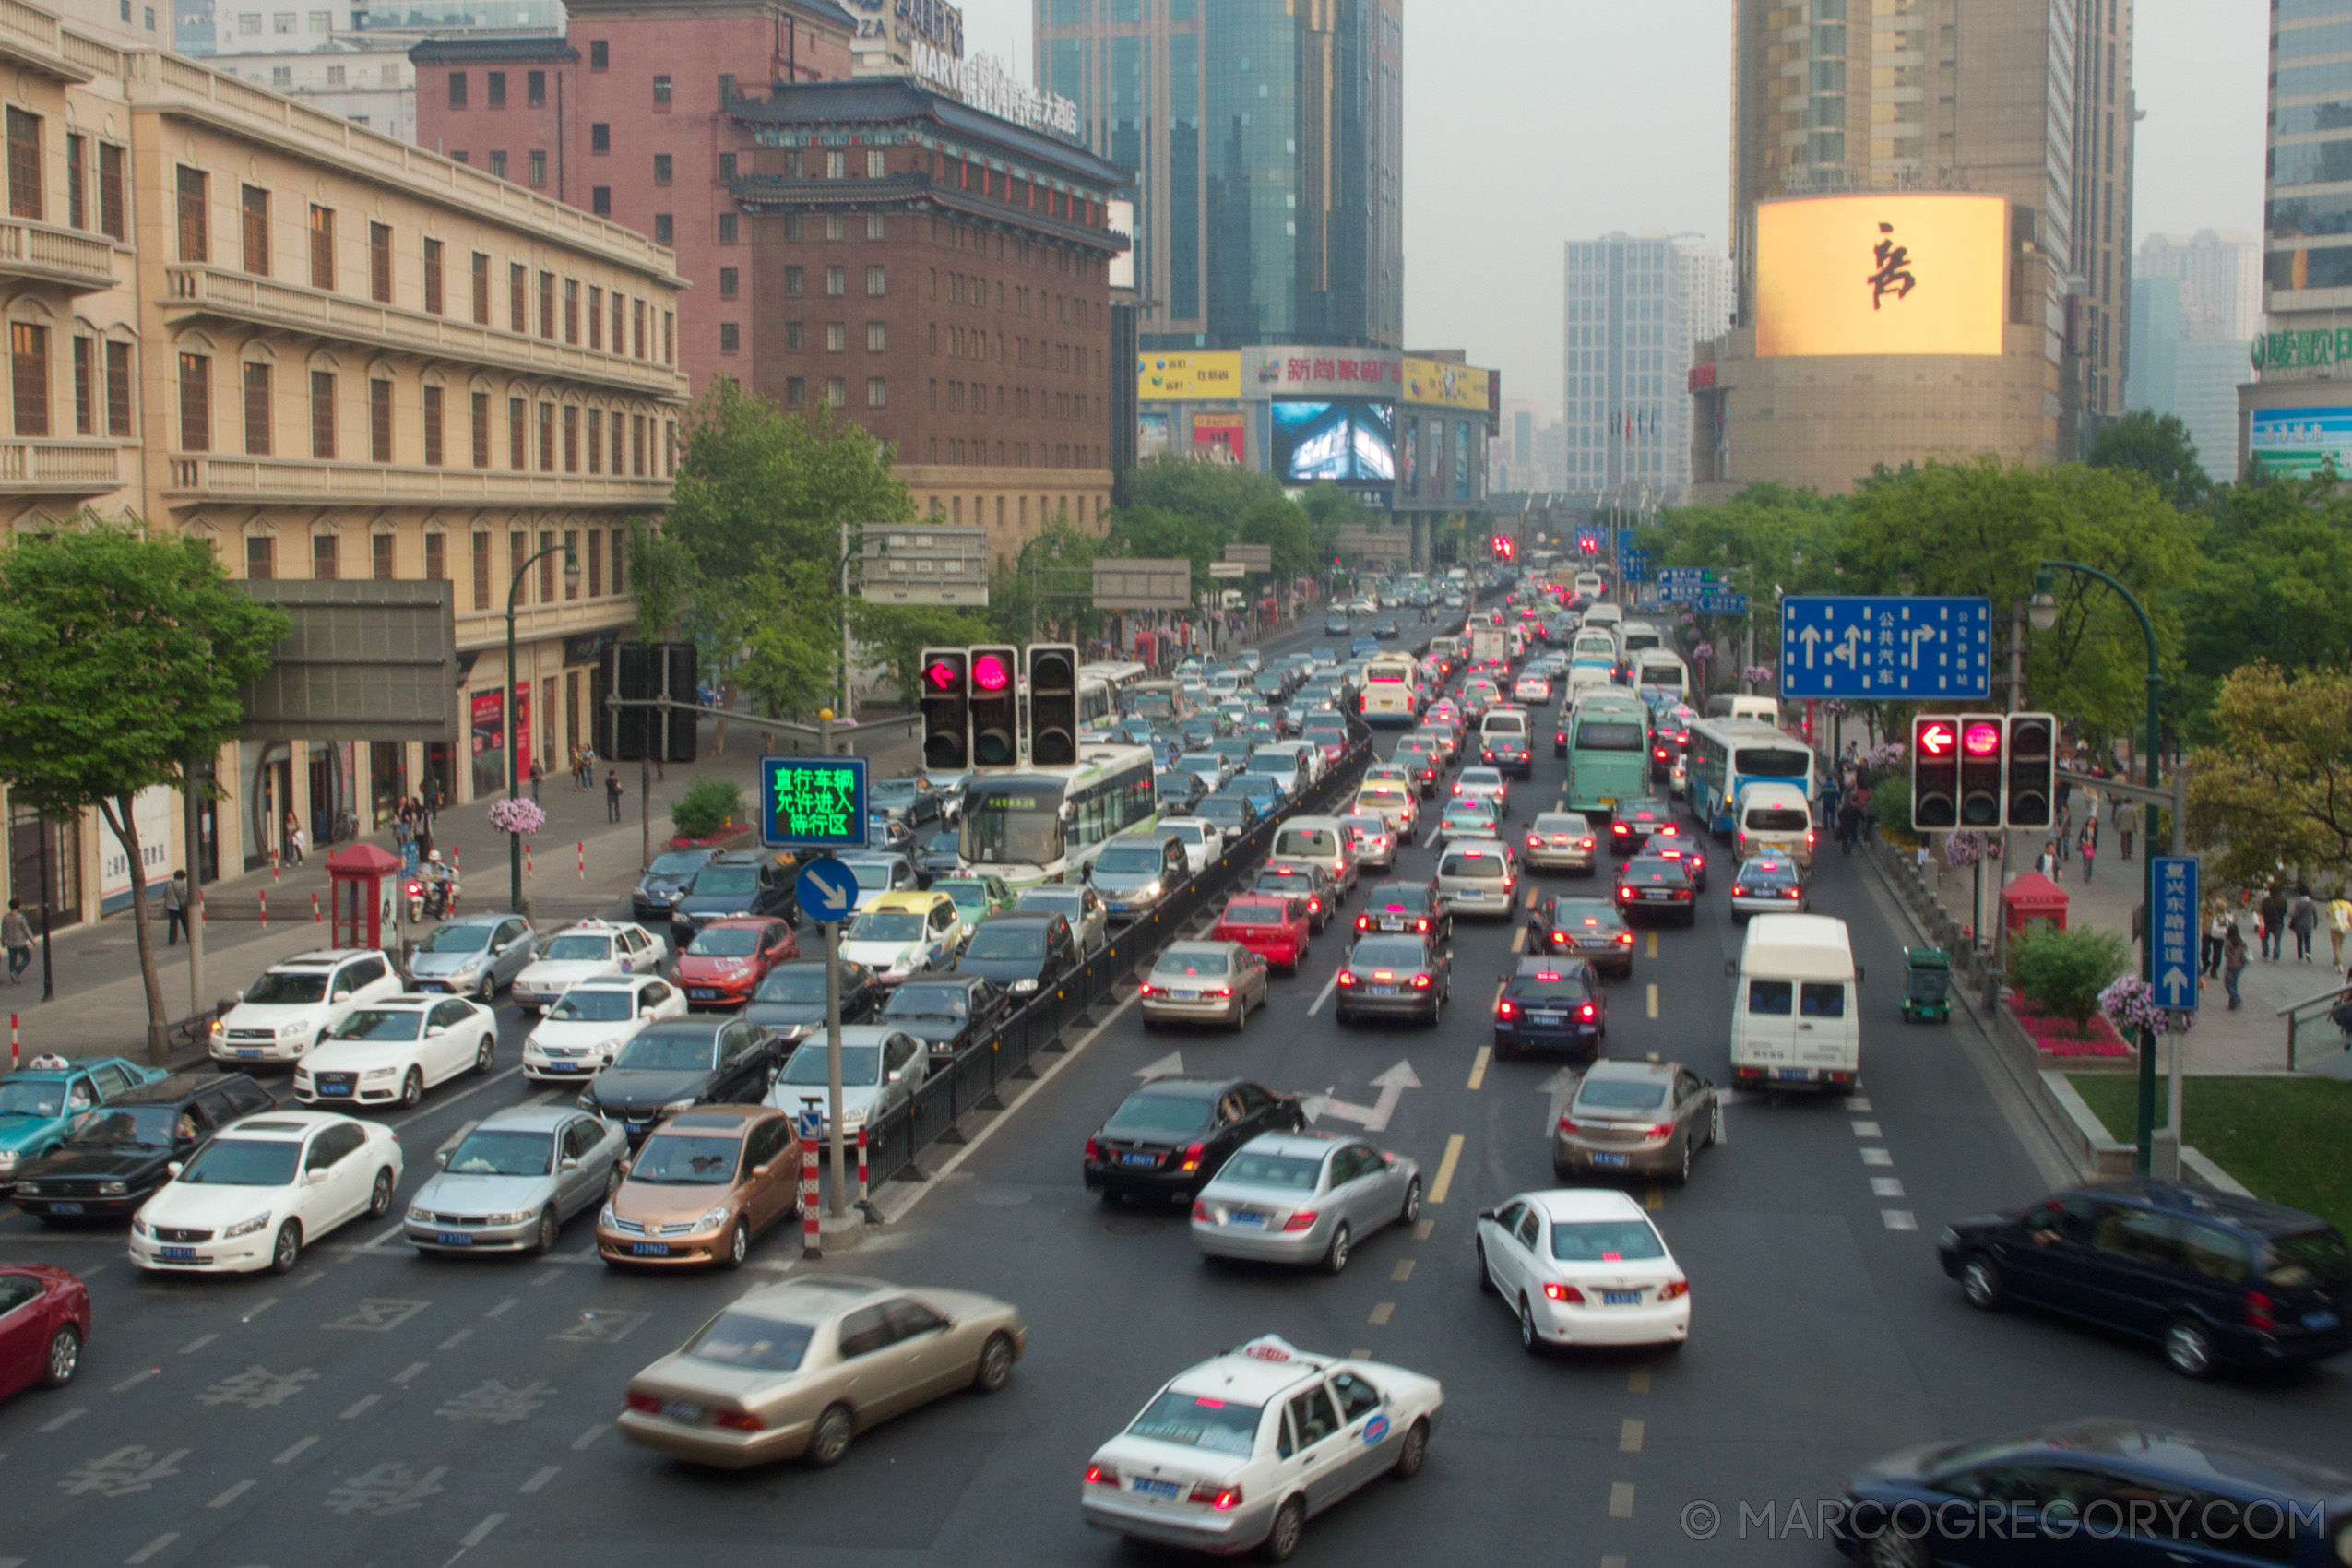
x=987 y=84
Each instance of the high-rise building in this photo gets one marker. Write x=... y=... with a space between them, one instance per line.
x=2195 y=303
x=1910 y=206
x=1635 y=307
x=1267 y=138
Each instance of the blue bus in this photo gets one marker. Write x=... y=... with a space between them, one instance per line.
x=1727 y=755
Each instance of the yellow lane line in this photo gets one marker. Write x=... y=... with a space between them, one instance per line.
x=1629 y=1438
x=1403 y=1271
x=1653 y=999
x=1653 y=945
x=1656 y=1198
x=1383 y=1312
x=1478 y=1067
x=1445 y=1182
x=1638 y=1381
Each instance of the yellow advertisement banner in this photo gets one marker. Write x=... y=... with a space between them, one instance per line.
x=1881 y=274
x=1437 y=383
x=1166 y=377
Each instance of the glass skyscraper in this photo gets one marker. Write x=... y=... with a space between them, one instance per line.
x=1635 y=305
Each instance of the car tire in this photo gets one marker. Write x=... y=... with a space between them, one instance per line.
x=739 y=1246
x=1485 y=1280
x=1282 y=1535
x=1982 y=1283
x=995 y=1368
x=487 y=992
x=1892 y=1549
x=485 y=1055
x=286 y=1249
x=543 y=1241
x=62 y=1358
x=1681 y=1177
x=379 y=1197
x=1412 y=1209
x=412 y=1089
x=2189 y=1349
x=1529 y=1340
x=830 y=1438
x=1411 y=1452
x=1343 y=1247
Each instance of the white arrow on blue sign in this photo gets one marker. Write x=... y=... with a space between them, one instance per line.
x=1885 y=648
x=2176 y=932
x=827 y=891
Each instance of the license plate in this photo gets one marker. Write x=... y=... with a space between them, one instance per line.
x=1392 y=925
x=701 y=993
x=1185 y=995
x=1546 y=1017
x=248 y=1055
x=1152 y=1487
x=1380 y=990
x=430 y=986
x=684 y=1410
x=1139 y=1159
x=452 y=1238
x=178 y=1254
x=76 y=1208
x=1799 y=1074
x=1621 y=1298
x=1656 y=893
x=1609 y=802
x=1248 y=1221
x=334 y=1088
x=1612 y=1159
x=651 y=1249
x=2317 y=1323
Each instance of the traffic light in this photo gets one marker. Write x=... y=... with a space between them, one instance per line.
x=2033 y=769
x=682 y=667
x=947 y=708
x=635 y=678
x=1053 y=705
x=995 y=708
x=1935 y=773
x=1982 y=773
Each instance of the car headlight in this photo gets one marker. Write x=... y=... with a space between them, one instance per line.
x=140 y=1227
x=604 y=1216
x=519 y=1217
x=677 y=1105
x=718 y=1216
x=1949 y=1238
x=421 y=1213
x=1023 y=987
x=8 y=1158
x=464 y=969
x=606 y=1048
x=246 y=1227
x=587 y=1102
x=381 y=1073
x=114 y=1189
x=292 y=1031
x=220 y=1028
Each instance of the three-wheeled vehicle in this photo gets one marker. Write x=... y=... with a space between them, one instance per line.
x=1927 y=984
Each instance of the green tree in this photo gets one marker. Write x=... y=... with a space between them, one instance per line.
x=2276 y=790
x=1193 y=509
x=121 y=659
x=2159 y=447
x=661 y=575
x=1049 y=588
x=2274 y=586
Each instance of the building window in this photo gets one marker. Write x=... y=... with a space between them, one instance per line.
x=571 y=310
x=596 y=316
x=436 y=557
x=875 y=279
x=535 y=90
x=662 y=166
x=874 y=390
x=726 y=228
x=599 y=137
x=795 y=282
x=600 y=200
x=110 y=191
x=669 y=337
x=726 y=88
x=617 y=321
x=836 y=392
x=620 y=563
x=379 y=550
x=482 y=571
x=24 y=165
x=546 y=567
x=379 y=263
x=497 y=163
x=877 y=163
x=596 y=442
x=256 y=409
x=836 y=281
x=518 y=454
x=481 y=288
x=661 y=92
x=571 y=438
x=323 y=553
x=730 y=338
x=118 y=391
x=796 y=393
x=456 y=89
x=84 y=413
x=537 y=167
x=322 y=413
x=637 y=336
x=496 y=88
x=877 y=337
x=196 y=402
x=75 y=214
x=546 y=437
x=837 y=166
x=195 y=233
x=616 y=449
x=596 y=562
x=322 y=248
x=480 y=409
x=877 y=227
x=281 y=22
x=29 y=376
x=796 y=336
x=261 y=558
x=837 y=337
x=517 y=298
x=599 y=54
x=728 y=287
x=836 y=227
x=571 y=543
x=516 y=553
x=432 y=452
x=636 y=445
x=664 y=231
x=727 y=159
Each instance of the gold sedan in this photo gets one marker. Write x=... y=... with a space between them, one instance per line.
x=795 y=1371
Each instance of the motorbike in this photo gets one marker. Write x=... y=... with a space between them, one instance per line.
x=434 y=901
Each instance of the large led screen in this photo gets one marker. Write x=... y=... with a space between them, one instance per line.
x=2299 y=443
x=1347 y=442
x=1920 y=274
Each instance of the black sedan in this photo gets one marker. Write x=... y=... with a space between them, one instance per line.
x=911 y=801
x=671 y=874
x=1180 y=794
x=1171 y=1136
x=1653 y=885
x=1590 y=929
x=1551 y=1003
x=1634 y=821
x=684 y=1062
x=1507 y=754
x=789 y=1003
x=1233 y=813
x=1395 y=977
x=1024 y=950
x=1408 y=909
x=117 y=1155
x=738 y=882
x=1384 y=629
x=949 y=1013
x=936 y=855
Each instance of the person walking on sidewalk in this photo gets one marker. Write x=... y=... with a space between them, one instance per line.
x=16 y=935
x=2122 y=817
x=2088 y=846
x=611 y=795
x=1849 y=825
x=539 y=775
x=295 y=839
x=2216 y=930
x=2339 y=921
x=176 y=907
x=404 y=834
x=2303 y=920
x=2233 y=965
x=2272 y=930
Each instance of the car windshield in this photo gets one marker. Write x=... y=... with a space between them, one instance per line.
x=1067 y=901
x=1386 y=953
x=1481 y=778
x=1605 y=1241
x=455 y=939
x=1609 y=735
x=2308 y=1260
x=1772 y=761
x=1766 y=873
x=1660 y=873
x=593 y=1005
x=882 y=925
x=748 y=1343
x=382 y=1023
x=276 y=990
x=668 y=1053
x=1619 y=1094
x=1147 y=1113
x=1297 y=1173
x=726 y=881
x=802 y=983
x=967 y=893
x=578 y=949
x=1473 y=867
x=725 y=942
x=942 y=843
x=1181 y=965
x=677 y=862
x=675 y=1159
x=1129 y=859
x=1547 y=985
x=1007 y=942
x=244 y=1162
x=153 y=1126
x=1254 y=912
x=1395 y=900
x=871 y=874
x=929 y=1001
x=32 y=1097
x=1778 y=820
x=1552 y=822
x=1191 y=1420
x=490 y=1151
x=810 y=1067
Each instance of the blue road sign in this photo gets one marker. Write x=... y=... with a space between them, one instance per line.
x=808 y=1124
x=1590 y=539
x=827 y=891
x=1719 y=604
x=1886 y=648
x=1624 y=541
x=1680 y=585
x=2176 y=932
x=1634 y=566
x=813 y=803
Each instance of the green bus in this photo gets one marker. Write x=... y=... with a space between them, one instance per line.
x=1608 y=756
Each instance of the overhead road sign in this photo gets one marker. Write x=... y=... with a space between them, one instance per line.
x=1719 y=604
x=2176 y=932
x=813 y=803
x=1624 y=541
x=1143 y=584
x=1228 y=569
x=924 y=565
x=1253 y=557
x=1680 y=585
x=1634 y=566
x=827 y=891
x=1886 y=648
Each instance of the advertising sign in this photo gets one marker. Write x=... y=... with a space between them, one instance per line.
x=490 y=739
x=1168 y=377
x=1278 y=370
x=813 y=803
x=2298 y=443
x=1445 y=385
x=1155 y=434
x=1335 y=441
x=152 y=810
x=1881 y=274
x=1462 y=460
x=1222 y=438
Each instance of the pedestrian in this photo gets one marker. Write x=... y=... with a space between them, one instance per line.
x=2303 y=920
x=2088 y=846
x=2216 y=927
x=611 y=795
x=16 y=935
x=1849 y=825
x=2123 y=824
x=2065 y=824
x=2339 y=921
x=296 y=840
x=2273 y=927
x=176 y=907
x=539 y=774
x=576 y=769
x=588 y=767
x=2047 y=861
x=2233 y=964
x=404 y=835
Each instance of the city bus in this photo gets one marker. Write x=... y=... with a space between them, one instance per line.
x=1036 y=825
x=1392 y=692
x=1609 y=751
x=1727 y=755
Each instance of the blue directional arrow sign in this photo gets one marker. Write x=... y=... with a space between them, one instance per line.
x=1624 y=541
x=1634 y=566
x=1721 y=604
x=827 y=891
x=1885 y=648
x=2176 y=932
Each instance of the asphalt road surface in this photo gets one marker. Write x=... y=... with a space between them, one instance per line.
x=377 y=1408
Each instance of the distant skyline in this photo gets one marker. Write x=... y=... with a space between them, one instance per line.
x=1548 y=122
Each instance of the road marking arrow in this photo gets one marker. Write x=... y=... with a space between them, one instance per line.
x=1559 y=1083
x=1169 y=1066
x=1373 y=1118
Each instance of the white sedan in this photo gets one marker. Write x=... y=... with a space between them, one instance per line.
x=264 y=1189
x=1242 y=1449
x=587 y=950
x=1583 y=1266
x=391 y=1052
x=582 y=1033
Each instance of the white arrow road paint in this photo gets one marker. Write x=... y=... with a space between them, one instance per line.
x=1373 y=1118
x=1561 y=1084
x=1325 y=994
x=1169 y=1066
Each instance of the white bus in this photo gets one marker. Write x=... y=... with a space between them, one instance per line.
x=1036 y=825
x=1392 y=692
x=1729 y=755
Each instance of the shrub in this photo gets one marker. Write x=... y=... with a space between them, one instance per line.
x=1891 y=807
x=708 y=808
x=2063 y=971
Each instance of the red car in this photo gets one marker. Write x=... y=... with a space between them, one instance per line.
x=729 y=958
x=1273 y=927
x=44 y=1322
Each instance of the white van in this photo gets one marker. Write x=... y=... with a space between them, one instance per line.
x=1795 y=1019
x=1731 y=705
x=1589 y=585
x=1610 y=615
x=1319 y=841
x=1638 y=635
x=1505 y=721
x=1663 y=669
x=1774 y=819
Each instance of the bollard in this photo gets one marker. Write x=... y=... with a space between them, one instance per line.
x=263 y=897
x=529 y=870
x=315 y=918
x=861 y=1167
x=12 y=1042
x=201 y=917
x=812 y=1237
x=275 y=865
x=582 y=860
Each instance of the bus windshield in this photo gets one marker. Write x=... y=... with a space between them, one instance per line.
x=1020 y=826
x=1772 y=761
x=1608 y=736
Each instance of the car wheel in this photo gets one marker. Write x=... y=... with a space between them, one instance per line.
x=64 y=1357
x=1412 y=1209
x=488 y=990
x=1485 y=1280
x=544 y=1242
x=1289 y=1525
x=1892 y=1549
x=1529 y=1339
x=1411 y=1452
x=995 y=1369
x=286 y=1248
x=379 y=1197
x=2188 y=1349
x=411 y=1090
x=1980 y=1282
x=1335 y=1257
x=486 y=1054
x=1681 y=1176
x=739 y=1246
x=613 y=1179
x=830 y=1438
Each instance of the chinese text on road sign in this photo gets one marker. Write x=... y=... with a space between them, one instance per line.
x=2176 y=932
x=813 y=803
x=1887 y=649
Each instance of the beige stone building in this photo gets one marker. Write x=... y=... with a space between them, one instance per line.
x=333 y=355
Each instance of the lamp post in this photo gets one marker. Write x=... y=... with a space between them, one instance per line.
x=514 y=776
x=2044 y=614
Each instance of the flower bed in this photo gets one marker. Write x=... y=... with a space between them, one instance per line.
x=2057 y=1039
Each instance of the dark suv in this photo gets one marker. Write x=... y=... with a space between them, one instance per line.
x=2215 y=1280
x=739 y=883
x=115 y=1157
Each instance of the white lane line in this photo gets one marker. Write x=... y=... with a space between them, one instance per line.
x=456 y=1339
x=1621 y=1500
x=1886 y=1186
x=481 y=1532
x=68 y=1419
x=589 y=1436
x=296 y=1450
x=1867 y=1130
x=1899 y=1219
x=503 y=1308
x=454 y=1139
x=308 y=1280
x=438 y=1106
x=151 y=1547
x=1629 y=1437
x=136 y=1378
x=540 y=1478
x=365 y=1403
x=550 y=1278
x=198 y=1343
x=230 y=1495
x=260 y=1307
x=1478 y=1066
x=1877 y=1157
x=1519 y=938
x=1858 y=1102
x=408 y=1372
x=1325 y=994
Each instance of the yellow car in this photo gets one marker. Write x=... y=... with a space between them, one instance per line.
x=905 y=933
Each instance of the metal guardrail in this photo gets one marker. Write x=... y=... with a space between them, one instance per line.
x=2310 y=1010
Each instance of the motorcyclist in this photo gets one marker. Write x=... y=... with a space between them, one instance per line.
x=440 y=884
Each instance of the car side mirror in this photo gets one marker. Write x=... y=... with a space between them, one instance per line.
x=897 y=1075
x=570 y=1163
x=1486 y=1214
x=173 y=1167
x=435 y=1031
x=441 y=1158
x=340 y=997
x=314 y=1176
x=761 y=1171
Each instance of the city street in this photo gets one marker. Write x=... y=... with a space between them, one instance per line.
x=377 y=1408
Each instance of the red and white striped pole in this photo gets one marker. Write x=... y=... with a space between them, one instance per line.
x=582 y=860
x=529 y=870
x=275 y=865
x=812 y=1238
x=315 y=918
x=12 y=1042
x=861 y=1167
x=263 y=897
x=202 y=918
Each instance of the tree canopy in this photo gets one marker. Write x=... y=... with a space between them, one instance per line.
x=2276 y=789
x=2159 y=447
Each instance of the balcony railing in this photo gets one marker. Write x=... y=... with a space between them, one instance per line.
x=198 y=478
x=265 y=301
x=54 y=256
x=59 y=468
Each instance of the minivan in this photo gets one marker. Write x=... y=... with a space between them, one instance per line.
x=1662 y=669
x=1732 y=705
x=1774 y=819
x=1796 y=1022
x=1284 y=766
x=1316 y=841
x=1474 y=877
x=1503 y=722
x=1639 y=637
x=1605 y=615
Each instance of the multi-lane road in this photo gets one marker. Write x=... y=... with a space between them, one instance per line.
x=377 y=1408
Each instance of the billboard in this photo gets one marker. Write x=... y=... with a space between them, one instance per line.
x=1881 y=274
x=2297 y=443
x=1222 y=438
x=1442 y=384
x=1346 y=442
x=1166 y=377
x=1462 y=460
x=1282 y=370
x=1155 y=434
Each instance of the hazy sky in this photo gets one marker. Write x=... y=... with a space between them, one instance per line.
x=1553 y=119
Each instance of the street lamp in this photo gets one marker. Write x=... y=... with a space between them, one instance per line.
x=514 y=778
x=2043 y=612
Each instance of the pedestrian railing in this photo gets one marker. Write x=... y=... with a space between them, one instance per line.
x=2315 y=1010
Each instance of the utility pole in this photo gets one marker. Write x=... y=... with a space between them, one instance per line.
x=192 y=834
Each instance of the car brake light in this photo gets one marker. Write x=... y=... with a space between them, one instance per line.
x=1421 y=925
x=1586 y=1010
x=1793 y=893
x=1192 y=1160
x=1094 y=1152
x=1568 y=1126
x=1346 y=978
x=1506 y=1008
x=1363 y=923
x=1534 y=842
x=1420 y=982
x=1584 y=844
x=1200 y=1212
x=1217 y=1497
x=1567 y=1293
x=2258 y=1312
x=1619 y=827
x=1809 y=838
x=1151 y=989
x=1673 y=1289
x=1625 y=939
x=1303 y=1219
x=1101 y=1475
x=646 y=1402
x=738 y=1421
x=1220 y=990
x=1663 y=1130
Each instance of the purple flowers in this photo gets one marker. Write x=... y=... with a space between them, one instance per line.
x=514 y=814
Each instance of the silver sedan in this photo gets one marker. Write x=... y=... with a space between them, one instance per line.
x=513 y=1181
x=1304 y=1198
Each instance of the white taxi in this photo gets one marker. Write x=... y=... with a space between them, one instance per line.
x=905 y=933
x=1242 y=1449
x=586 y=1029
x=587 y=950
x=1583 y=1265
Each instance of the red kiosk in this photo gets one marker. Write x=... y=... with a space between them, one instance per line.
x=2031 y=899
x=356 y=875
